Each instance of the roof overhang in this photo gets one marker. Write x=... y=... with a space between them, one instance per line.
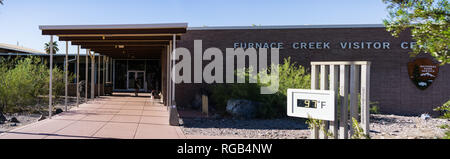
x=114 y=39
x=18 y=49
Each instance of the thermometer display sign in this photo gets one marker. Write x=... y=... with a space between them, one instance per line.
x=317 y=104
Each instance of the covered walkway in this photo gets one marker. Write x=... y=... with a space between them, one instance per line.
x=122 y=117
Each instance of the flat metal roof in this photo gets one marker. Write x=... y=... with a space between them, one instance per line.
x=287 y=27
x=113 y=26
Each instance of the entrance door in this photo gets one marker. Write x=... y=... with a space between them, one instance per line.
x=136 y=76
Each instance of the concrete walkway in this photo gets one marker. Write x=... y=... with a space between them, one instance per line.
x=122 y=117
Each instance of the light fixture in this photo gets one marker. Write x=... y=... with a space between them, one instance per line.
x=119 y=46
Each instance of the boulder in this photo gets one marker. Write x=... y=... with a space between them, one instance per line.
x=58 y=110
x=14 y=120
x=242 y=108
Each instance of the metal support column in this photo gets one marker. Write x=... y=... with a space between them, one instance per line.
x=168 y=85
x=50 y=96
x=107 y=69
x=78 y=75
x=66 y=70
x=173 y=68
x=86 y=80
x=98 y=76
x=104 y=75
x=92 y=75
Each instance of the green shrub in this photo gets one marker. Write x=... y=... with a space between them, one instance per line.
x=358 y=131
x=444 y=110
x=374 y=109
x=271 y=105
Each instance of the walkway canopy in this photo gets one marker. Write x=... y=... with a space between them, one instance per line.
x=119 y=41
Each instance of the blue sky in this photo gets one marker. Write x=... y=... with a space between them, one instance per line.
x=19 y=19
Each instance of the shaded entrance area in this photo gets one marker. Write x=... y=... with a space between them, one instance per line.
x=130 y=56
x=121 y=116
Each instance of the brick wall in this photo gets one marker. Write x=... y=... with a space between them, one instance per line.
x=390 y=85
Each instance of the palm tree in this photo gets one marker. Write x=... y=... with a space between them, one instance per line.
x=55 y=47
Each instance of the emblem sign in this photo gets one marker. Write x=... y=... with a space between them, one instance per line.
x=422 y=72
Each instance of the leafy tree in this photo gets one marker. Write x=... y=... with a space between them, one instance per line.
x=55 y=47
x=428 y=21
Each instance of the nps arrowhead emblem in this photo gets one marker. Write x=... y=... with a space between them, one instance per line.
x=422 y=72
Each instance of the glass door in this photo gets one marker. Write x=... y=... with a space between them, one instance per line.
x=136 y=79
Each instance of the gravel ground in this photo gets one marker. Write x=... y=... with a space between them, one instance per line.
x=406 y=127
x=382 y=127
x=287 y=128
x=24 y=120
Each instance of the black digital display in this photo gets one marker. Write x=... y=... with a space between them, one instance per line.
x=306 y=103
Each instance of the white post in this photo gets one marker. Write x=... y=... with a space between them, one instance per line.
x=365 y=97
x=92 y=74
x=324 y=85
x=314 y=85
x=334 y=77
x=66 y=70
x=354 y=83
x=50 y=96
x=343 y=94
x=86 y=77
x=78 y=75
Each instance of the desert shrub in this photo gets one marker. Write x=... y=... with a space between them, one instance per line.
x=17 y=82
x=24 y=80
x=445 y=112
x=58 y=85
x=291 y=75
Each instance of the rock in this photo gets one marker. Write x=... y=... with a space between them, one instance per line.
x=242 y=108
x=196 y=102
x=216 y=116
x=425 y=117
x=2 y=118
x=42 y=118
x=58 y=110
x=14 y=120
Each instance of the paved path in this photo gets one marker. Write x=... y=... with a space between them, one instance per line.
x=107 y=117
